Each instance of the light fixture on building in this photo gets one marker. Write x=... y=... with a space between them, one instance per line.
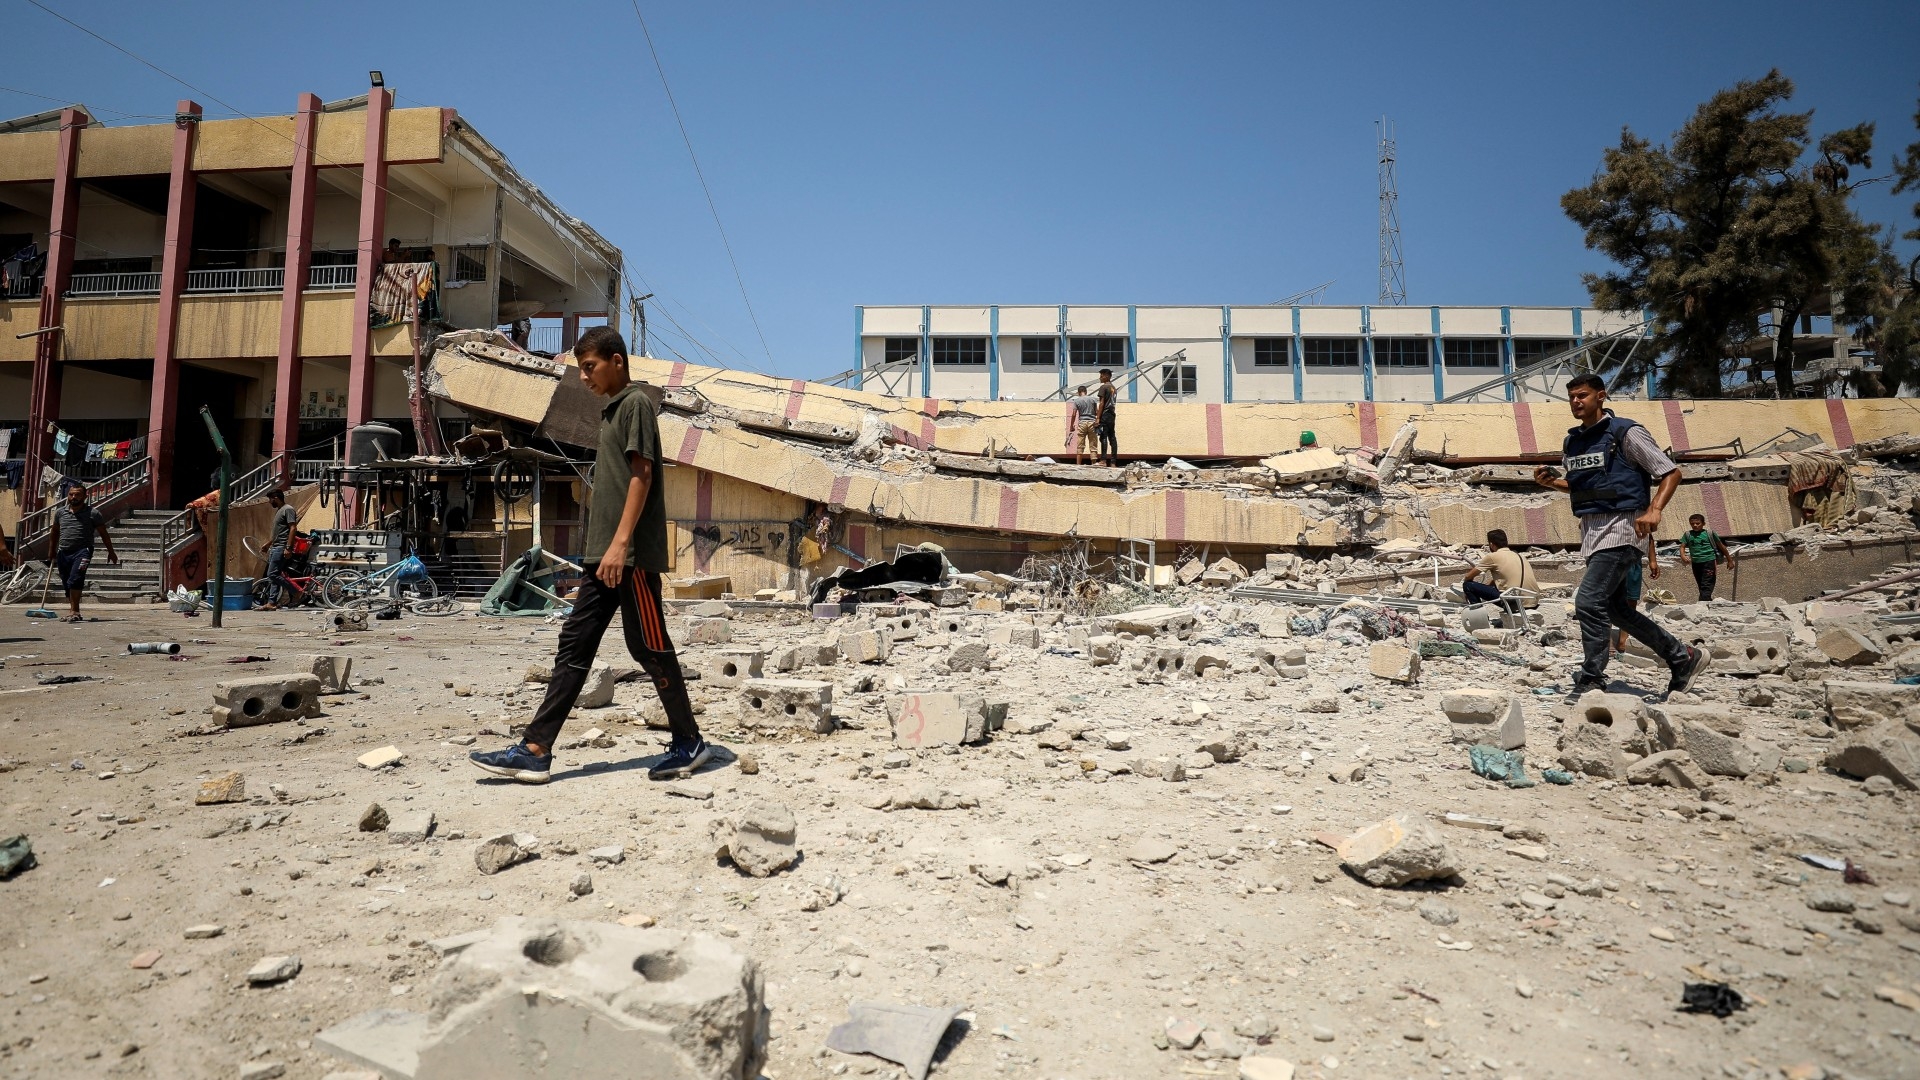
x=378 y=81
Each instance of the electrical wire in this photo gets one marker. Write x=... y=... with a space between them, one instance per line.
x=698 y=172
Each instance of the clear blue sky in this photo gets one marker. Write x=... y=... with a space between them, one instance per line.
x=1023 y=153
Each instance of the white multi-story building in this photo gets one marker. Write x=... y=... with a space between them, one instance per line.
x=1214 y=354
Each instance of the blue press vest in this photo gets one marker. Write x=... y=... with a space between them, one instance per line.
x=1599 y=476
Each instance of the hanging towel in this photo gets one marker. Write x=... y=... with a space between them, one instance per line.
x=6 y=443
x=60 y=443
x=120 y=449
x=138 y=448
x=93 y=451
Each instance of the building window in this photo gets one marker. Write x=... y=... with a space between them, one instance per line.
x=1331 y=352
x=959 y=352
x=902 y=348
x=1037 y=351
x=1180 y=381
x=1402 y=352
x=1097 y=352
x=1272 y=352
x=1533 y=350
x=1471 y=352
x=469 y=262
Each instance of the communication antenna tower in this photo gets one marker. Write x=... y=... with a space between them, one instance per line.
x=1393 y=269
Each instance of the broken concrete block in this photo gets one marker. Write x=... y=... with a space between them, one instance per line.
x=903 y=627
x=382 y=758
x=1308 y=465
x=759 y=840
x=1591 y=749
x=729 y=668
x=1393 y=662
x=1025 y=635
x=597 y=691
x=265 y=699
x=1715 y=753
x=1485 y=717
x=703 y=631
x=374 y=818
x=1400 y=849
x=1104 y=649
x=1848 y=646
x=1889 y=749
x=866 y=646
x=1189 y=572
x=1232 y=570
x=1751 y=656
x=496 y=853
x=1865 y=704
x=411 y=827
x=805 y=704
x=924 y=718
x=1199 y=661
x=1673 y=768
x=1620 y=712
x=587 y=1001
x=225 y=788
x=334 y=671
x=349 y=621
x=273 y=969
x=1286 y=661
x=969 y=656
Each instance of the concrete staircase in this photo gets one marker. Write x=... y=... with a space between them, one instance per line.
x=136 y=538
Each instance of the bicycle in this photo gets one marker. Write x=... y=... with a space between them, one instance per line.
x=296 y=579
x=29 y=577
x=405 y=583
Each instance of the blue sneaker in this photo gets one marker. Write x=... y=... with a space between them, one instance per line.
x=681 y=760
x=515 y=762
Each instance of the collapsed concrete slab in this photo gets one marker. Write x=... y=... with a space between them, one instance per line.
x=1890 y=749
x=265 y=699
x=581 y=1000
x=1863 y=704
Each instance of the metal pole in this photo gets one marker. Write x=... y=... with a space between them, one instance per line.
x=220 y=528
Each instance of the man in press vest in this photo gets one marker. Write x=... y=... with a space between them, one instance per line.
x=1619 y=482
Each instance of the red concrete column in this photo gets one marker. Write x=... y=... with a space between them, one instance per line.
x=163 y=403
x=569 y=330
x=44 y=406
x=373 y=224
x=286 y=382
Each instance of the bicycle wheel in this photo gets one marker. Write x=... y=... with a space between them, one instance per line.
x=27 y=579
x=341 y=587
x=424 y=588
x=263 y=590
x=253 y=548
x=437 y=606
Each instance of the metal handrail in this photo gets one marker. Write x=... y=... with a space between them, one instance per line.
x=337 y=276
x=178 y=529
x=104 y=495
x=259 y=279
x=258 y=481
x=138 y=283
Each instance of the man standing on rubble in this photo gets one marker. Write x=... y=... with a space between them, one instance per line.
x=1081 y=437
x=627 y=537
x=1107 y=394
x=1619 y=482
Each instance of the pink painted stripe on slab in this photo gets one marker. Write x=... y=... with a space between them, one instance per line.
x=1009 y=509
x=796 y=393
x=1216 y=433
x=857 y=540
x=1842 y=426
x=703 y=497
x=677 y=376
x=838 y=495
x=1713 y=499
x=1369 y=425
x=1176 y=515
x=1676 y=426
x=689 y=446
x=926 y=434
x=1536 y=519
x=1523 y=428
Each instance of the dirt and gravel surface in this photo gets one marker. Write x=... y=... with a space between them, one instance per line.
x=1083 y=903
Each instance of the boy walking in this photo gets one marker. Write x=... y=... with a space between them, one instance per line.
x=1706 y=551
x=75 y=525
x=627 y=536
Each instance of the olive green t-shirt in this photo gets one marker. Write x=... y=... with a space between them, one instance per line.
x=628 y=425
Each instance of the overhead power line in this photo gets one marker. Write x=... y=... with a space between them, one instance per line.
x=701 y=174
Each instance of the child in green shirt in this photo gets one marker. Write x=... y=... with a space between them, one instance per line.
x=1705 y=550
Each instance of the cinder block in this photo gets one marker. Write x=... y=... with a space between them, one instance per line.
x=922 y=718
x=904 y=626
x=583 y=1000
x=952 y=625
x=701 y=631
x=350 y=620
x=1026 y=635
x=731 y=667
x=866 y=646
x=265 y=699
x=806 y=704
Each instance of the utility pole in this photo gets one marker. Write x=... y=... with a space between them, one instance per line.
x=220 y=529
x=1393 y=269
x=640 y=321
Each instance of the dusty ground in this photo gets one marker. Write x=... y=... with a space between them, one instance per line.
x=1071 y=969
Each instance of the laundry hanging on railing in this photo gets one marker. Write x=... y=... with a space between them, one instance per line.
x=398 y=287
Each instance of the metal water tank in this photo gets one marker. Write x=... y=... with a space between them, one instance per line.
x=368 y=443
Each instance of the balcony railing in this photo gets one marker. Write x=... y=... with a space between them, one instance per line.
x=313 y=471
x=332 y=277
x=263 y=279
x=135 y=284
x=23 y=287
x=106 y=494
